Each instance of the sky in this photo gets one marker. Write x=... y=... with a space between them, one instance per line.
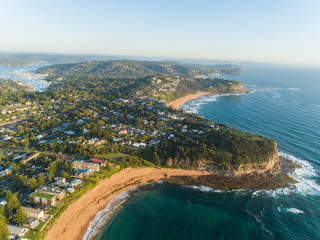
x=280 y=31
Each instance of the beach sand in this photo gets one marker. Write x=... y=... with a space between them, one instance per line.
x=74 y=221
x=177 y=103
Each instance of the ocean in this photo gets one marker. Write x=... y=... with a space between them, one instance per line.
x=284 y=105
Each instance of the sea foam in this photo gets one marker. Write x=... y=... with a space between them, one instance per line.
x=98 y=221
x=294 y=210
x=196 y=104
x=306 y=184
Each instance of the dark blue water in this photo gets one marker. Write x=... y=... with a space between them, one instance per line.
x=285 y=106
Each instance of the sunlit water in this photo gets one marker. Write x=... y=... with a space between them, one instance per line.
x=26 y=74
x=285 y=106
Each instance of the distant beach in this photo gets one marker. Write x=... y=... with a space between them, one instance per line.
x=177 y=103
x=74 y=222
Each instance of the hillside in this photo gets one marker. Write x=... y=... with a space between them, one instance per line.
x=160 y=80
x=133 y=69
x=7 y=60
x=24 y=59
x=12 y=92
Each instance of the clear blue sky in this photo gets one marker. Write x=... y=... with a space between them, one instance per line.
x=286 y=31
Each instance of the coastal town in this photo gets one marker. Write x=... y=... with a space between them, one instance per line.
x=38 y=179
x=58 y=144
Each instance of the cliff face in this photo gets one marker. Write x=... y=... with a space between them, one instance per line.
x=271 y=166
x=235 y=171
x=229 y=87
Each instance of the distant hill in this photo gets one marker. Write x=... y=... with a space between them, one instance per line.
x=10 y=61
x=24 y=59
x=135 y=69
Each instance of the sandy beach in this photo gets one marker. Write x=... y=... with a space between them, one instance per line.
x=177 y=103
x=74 y=221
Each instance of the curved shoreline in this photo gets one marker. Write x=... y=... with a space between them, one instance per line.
x=74 y=221
x=178 y=102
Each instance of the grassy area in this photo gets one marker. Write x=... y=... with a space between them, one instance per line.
x=34 y=235
x=53 y=211
x=42 y=195
x=113 y=156
x=39 y=226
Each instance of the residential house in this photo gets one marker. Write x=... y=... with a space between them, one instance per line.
x=24 y=161
x=85 y=165
x=58 y=192
x=34 y=213
x=17 y=231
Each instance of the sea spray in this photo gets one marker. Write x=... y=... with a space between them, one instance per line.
x=104 y=215
x=101 y=216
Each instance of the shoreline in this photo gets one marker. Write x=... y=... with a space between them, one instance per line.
x=176 y=104
x=74 y=221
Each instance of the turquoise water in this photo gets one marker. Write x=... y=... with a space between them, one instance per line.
x=285 y=106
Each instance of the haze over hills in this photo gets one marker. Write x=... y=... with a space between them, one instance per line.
x=160 y=80
x=24 y=59
x=136 y=69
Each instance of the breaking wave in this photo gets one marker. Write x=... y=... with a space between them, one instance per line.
x=196 y=104
x=294 y=210
x=103 y=215
x=305 y=176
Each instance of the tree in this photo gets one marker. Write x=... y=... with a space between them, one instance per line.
x=4 y=231
x=1 y=155
x=138 y=122
x=65 y=175
x=26 y=144
x=40 y=179
x=51 y=175
x=32 y=182
x=66 y=165
x=3 y=214
x=156 y=159
x=12 y=202
x=21 y=216
x=18 y=181
x=8 y=195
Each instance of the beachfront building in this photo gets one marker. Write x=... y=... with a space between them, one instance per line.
x=58 y=192
x=34 y=213
x=31 y=223
x=75 y=182
x=47 y=195
x=43 y=198
x=86 y=165
x=80 y=173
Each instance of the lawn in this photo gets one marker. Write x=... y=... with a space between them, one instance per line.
x=42 y=195
x=113 y=156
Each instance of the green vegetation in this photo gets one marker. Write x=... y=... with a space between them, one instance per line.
x=42 y=195
x=113 y=156
x=125 y=69
x=20 y=216
x=13 y=92
x=113 y=111
x=35 y=235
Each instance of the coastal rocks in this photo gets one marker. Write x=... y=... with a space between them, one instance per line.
x=272 y=167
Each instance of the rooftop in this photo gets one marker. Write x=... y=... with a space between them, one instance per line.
x=42 y=195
